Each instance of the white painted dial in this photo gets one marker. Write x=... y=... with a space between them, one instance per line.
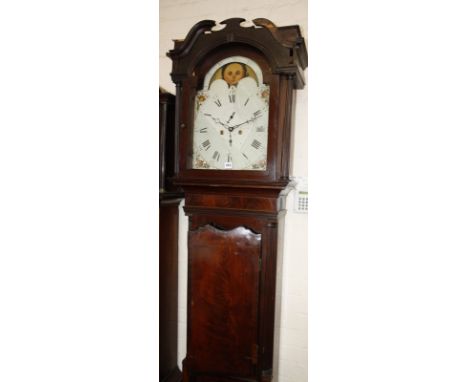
x=231 y=118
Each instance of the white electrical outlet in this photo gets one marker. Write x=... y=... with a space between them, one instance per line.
x=301 y=197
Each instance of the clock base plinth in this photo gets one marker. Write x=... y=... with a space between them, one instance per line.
x=191 y=376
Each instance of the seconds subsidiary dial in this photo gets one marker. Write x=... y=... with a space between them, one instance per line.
x=231 y=117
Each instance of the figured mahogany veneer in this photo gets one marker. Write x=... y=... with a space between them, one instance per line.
x=224 y=281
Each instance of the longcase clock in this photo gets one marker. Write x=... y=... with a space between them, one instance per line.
x=235 y=92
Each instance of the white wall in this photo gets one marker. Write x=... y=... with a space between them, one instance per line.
x=176 y=19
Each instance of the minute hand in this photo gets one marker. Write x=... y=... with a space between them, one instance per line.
x=231 y=128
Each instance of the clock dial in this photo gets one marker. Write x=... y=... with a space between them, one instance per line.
x=231 y=118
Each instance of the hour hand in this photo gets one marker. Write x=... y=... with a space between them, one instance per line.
x=231 y=117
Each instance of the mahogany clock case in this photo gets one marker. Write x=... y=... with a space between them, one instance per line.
x=236 y=217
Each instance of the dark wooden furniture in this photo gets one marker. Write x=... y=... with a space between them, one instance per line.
x=169 y=199
x=235 y=216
